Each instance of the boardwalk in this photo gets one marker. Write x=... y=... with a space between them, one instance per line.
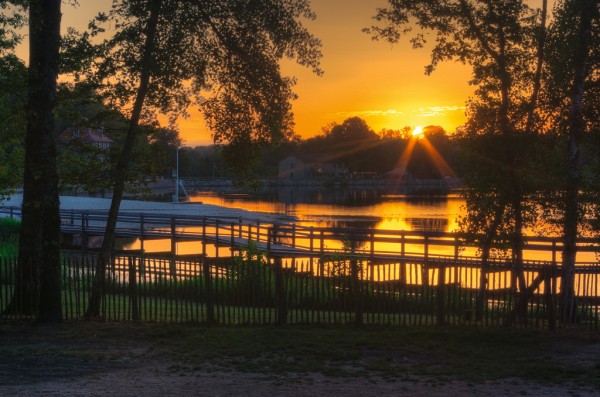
x=292 y=240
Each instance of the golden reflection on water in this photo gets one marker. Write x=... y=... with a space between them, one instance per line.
x=388 y=212
x=385 y=212
x=391 y=212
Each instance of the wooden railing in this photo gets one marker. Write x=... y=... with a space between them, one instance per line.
x=307 y=274
x=294 y=240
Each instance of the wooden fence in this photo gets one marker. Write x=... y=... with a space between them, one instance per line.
x=252 y=287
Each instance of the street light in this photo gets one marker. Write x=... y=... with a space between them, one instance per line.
x=177 y=175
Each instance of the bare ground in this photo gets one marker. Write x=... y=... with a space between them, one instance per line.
x=101 y=359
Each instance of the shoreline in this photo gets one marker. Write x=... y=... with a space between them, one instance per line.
x=155 y=207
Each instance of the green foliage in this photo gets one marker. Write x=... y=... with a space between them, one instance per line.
x=9 y=246
x=503 y=43
x=9 y=226
x=85 y=166
x=12 y=18
x=13 y=77
x=9 y=241
x=222 y=56
x=252 y=277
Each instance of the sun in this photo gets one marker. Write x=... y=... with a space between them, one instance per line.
x=418 y=131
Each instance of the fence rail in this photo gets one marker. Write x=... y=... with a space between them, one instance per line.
x=296 y=240
x=288 y=273
x=349 y=290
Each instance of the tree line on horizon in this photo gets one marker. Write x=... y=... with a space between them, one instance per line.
x=351 y=143
x=535 y=109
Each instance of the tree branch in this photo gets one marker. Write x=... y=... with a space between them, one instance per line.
x=477 y=31
x=537 y=82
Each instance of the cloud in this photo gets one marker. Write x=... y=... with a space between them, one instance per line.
x=369 y=113
x=427 y=111
x=434 y=111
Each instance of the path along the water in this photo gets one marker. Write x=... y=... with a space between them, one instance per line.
x=151 y=207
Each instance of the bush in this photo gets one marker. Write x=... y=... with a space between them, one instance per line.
x=9 y=227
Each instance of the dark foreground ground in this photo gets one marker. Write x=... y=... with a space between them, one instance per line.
x=125 y=359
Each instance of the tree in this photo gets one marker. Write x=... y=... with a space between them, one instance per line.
x=404 y=133
x=39 y=240
x=498 y=40
x=164 y=53
x=13 y=83
x=571 y=107
x=13 y=88
x=11 y=19
x=351 y=143
x=87 y=166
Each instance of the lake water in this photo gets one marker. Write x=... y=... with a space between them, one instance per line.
x=373 y=208
x=382 y=209
x=379 y=209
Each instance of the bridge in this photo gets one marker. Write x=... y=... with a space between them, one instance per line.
x=291 y=240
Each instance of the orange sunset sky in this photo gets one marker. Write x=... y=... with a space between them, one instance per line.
x=383 y=84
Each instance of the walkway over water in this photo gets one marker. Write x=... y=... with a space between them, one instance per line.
x=291 y=240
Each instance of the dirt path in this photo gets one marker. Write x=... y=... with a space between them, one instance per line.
x=158 y=380
x=106 y=362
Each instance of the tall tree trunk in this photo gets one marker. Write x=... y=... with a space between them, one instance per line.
x=520 y=308
x=122 y=167
x=576 y=130
x=38 y=287
x=486 y=247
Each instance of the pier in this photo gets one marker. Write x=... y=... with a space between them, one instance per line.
x=292 y=240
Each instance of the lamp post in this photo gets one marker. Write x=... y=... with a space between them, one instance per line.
x=177 y=175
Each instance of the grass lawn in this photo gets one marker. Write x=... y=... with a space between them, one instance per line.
x=438 y=355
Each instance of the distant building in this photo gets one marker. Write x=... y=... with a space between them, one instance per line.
x=399 y=173
x=89 y=135
x=299 y=167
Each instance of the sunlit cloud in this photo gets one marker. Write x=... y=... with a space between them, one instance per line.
x=369 y=113
x=436 y=111
x=427 y=111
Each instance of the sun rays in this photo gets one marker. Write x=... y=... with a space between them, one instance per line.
x=418 y=135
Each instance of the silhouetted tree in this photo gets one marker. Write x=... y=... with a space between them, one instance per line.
x=164 y=53
x=13 y=95
x=571 y=107
x=499 y=40
x=38 y=273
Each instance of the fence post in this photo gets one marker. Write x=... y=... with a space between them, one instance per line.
x=210 y=309
x=356 y=284
x=142 y=231
x=402 y=278
x=133 y=296
x=217 y=238
x=232 y=249
x=172 y=264
x=456 y=248
x=258 y=231
x=549 y=297
x=83 y=230
x=311 y=247
x=441 y=294
x=280 y=292
x=322 y=261
x=425 y=271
